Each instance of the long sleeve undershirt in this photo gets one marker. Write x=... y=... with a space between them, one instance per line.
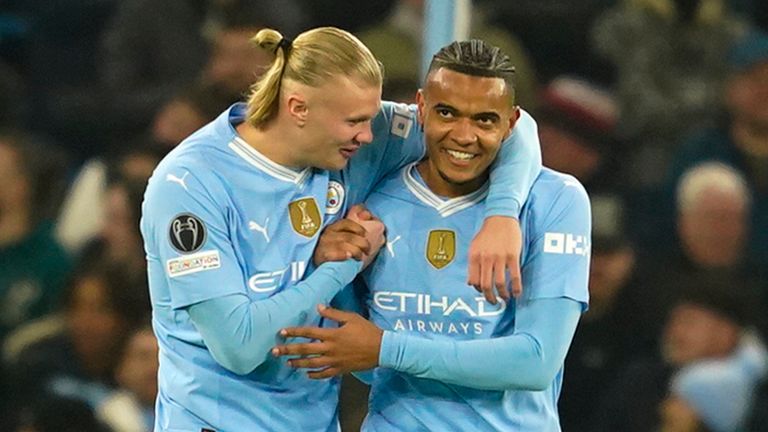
x=240 y=332
x=528 y=359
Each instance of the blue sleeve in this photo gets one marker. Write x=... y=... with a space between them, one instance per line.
x=211 y=268
x=240 y=333
x=557 y=246
x=528 y=359
x=515 y=169
x=397 y=141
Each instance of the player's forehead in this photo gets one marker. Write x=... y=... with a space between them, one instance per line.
x=467 y=92
x=349 y=97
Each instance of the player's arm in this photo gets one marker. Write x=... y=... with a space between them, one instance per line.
x=546 y=317
x=189 y=236
x=398 y=140
x=496 y=248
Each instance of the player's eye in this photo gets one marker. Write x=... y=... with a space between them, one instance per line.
x=445 y=113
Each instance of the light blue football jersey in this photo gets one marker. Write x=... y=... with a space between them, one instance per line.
x=219 y=218
x=417 y=285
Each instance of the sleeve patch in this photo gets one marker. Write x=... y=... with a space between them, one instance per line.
x=187 y=233
x=188 y=264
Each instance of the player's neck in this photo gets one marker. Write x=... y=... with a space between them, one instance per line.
x=273 y=141
x=442 y=186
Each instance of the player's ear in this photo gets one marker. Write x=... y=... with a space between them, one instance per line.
x=512 y=120
x=421 y=104
x=298 y=109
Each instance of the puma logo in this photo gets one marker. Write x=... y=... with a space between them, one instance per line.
x=173 y=179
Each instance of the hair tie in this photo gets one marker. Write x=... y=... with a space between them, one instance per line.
x=286 y=44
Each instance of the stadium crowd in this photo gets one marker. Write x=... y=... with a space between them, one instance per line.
x=659 y=107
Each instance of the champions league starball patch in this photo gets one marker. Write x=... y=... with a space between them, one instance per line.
x=187 y=233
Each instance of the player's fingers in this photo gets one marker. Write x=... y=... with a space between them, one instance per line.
x=310 y=362
x=332 y=255
x=340 y=317
x=515 y=278
x=346 y=225
x=307 y=332
x=301 y=349
x=499 y=278
x=486 y=279
x=473 y=271
x=325 y=373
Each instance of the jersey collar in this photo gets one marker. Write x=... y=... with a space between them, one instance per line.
x=445 y=207
x=258 y=160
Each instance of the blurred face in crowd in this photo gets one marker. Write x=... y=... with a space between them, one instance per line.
x=137 y=371
x=608 y=273
x=562 y=151
x=714 y=229
x=694 y=332
x=335 y=118
x=95 y=326
x=176 y=120
x=235 y=62
x=465 y=119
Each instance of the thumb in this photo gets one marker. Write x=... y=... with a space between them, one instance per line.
x=340 y=317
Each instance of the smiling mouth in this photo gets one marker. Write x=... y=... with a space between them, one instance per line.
x=460 y=156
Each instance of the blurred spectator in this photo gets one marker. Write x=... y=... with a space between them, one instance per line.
x=33 y=266
x=84 y=216
x=668 y=57
x=188 y=111
x=622 y=323
x=742 y=142
x=235 y=63
x=58 y=60
x=555 y=32
x=713 y=222
x=576 y=122
x=397 y=43
x=132 y=407
x=103 y=303
x=55 y=414
x=151 y=50
x=709 y=321
x=715 y=395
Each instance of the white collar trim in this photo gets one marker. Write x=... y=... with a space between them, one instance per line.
x=258 y=160
x=445 y=207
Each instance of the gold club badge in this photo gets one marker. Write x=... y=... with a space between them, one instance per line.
x=305 y=216
x=441 y=248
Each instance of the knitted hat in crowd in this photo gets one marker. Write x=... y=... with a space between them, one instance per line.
x=580 y=108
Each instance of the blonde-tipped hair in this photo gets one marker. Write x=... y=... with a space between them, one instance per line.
x=315 y=56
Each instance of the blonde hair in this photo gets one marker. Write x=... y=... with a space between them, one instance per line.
x=315 y=56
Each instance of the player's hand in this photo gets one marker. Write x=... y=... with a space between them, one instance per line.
x=354 y=346
x=494 y=253
x=342 y=240
x=374 y=230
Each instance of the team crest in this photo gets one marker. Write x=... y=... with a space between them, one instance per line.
x=335 y=197
x=305 y=216
x=441 y=248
